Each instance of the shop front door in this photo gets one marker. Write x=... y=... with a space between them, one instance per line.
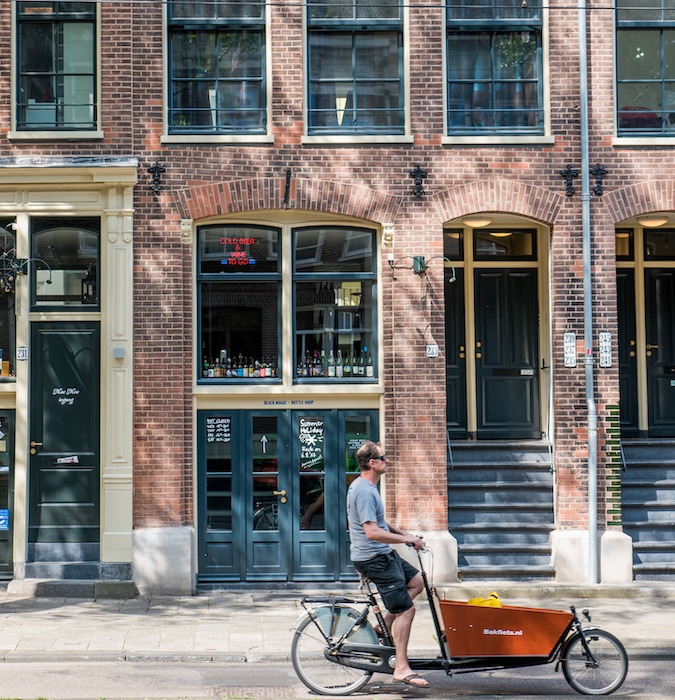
x=272 y=488
x=507 y=352
x=64 y=433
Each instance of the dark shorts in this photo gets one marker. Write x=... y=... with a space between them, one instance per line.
x=391 y=575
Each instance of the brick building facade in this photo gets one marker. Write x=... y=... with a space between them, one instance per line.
x=488 y=439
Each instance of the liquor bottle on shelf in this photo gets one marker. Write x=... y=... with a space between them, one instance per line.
x=347 y=371
x=212 y=369
x=263 y=369
x=331 y=364
x=228 y=371
x=370 y=369
x=324 y=364
x=216 y=369
x=205 y=367
x=339 y=367
x=256 y=368
x=361 y=371
x=240 y=366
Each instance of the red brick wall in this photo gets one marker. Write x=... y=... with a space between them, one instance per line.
x=372 y=182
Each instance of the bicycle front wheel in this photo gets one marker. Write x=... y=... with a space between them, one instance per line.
x=601 y=672
x=319 y=673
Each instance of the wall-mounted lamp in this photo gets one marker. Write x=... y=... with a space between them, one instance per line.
x=11 y=267
x=477 y=221
x=652 y=221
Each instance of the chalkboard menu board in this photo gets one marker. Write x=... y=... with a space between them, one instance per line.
x=311 y=443
x=218 y=429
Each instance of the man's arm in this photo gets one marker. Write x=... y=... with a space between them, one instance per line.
x=395 y=536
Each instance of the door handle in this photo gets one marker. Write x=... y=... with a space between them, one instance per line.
x=35 y=444
x=279 y=493
x=652 y=347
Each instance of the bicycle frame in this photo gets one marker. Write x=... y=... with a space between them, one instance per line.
x=380 y=658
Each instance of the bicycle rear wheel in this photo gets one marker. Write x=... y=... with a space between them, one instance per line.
x=319 y=673
x=600 y=674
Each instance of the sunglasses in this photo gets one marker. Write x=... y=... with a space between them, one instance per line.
x=382 y=457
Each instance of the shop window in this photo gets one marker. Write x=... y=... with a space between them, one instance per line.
x=64 y=263
x=239 y=297
x=9 y=269
x=56 y=66
x=494 y=68
x=645 y=68
x=217 y=67
x=334 y=300
x=355 y=67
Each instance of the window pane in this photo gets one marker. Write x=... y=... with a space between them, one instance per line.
x=639 y=10
x=334 y=324
x=65 y=257
x=231 y=249
x=333 y=250
x=210 y=9
x=505 y=243
x=488 y=10
x=218 y=81
x=453 y=244
x=624 y=244
x=57 y=81
x=239 y=330
x=353 y=9
x=8 y=274
x=660 y=244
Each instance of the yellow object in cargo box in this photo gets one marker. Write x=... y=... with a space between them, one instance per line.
x=492 y=601
x=5 y=368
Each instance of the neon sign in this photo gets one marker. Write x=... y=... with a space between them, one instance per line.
x=238 y=250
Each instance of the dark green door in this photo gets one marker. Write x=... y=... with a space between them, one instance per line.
x=627 y=348
x=455 y=354
x=64 y=433
x=660 y=348
x=507 y=354
x=272 y=493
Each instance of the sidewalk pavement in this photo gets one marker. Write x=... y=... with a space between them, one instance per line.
x=255 y=625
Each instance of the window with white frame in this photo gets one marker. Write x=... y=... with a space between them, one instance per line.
x=494 y=68
x=355 y=67
x=217 y=67
x=56 y=66
x=645 y=68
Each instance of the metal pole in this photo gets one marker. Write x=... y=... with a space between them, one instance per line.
x=588 y=308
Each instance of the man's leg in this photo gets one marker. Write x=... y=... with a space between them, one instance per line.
x=414 y=587
x=400 y=628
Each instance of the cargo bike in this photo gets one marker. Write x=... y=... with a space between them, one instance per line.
x=335 y=648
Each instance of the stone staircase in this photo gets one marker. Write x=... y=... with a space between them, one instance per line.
x=72 y=570
x=648 y=506
x=500 y=509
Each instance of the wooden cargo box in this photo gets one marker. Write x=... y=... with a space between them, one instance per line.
x=473 y=630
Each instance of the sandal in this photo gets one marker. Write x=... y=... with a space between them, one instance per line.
x=409 y=680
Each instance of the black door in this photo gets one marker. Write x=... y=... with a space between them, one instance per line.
x=455 y=355
x=628 y=405
x=64 y=433
x=660 y=350
x=272 y=493
x=507 y=354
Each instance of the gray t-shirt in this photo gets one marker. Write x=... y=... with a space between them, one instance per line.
x=364 y=505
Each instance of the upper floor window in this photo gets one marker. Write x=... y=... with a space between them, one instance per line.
x=494 y=73
x=217 y=67
x=645 y=67
x=56 y=81
x=355 y=67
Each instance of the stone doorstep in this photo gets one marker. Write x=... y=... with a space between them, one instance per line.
x=75 y=588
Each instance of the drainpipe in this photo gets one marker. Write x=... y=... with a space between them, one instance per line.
x=588 y=309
